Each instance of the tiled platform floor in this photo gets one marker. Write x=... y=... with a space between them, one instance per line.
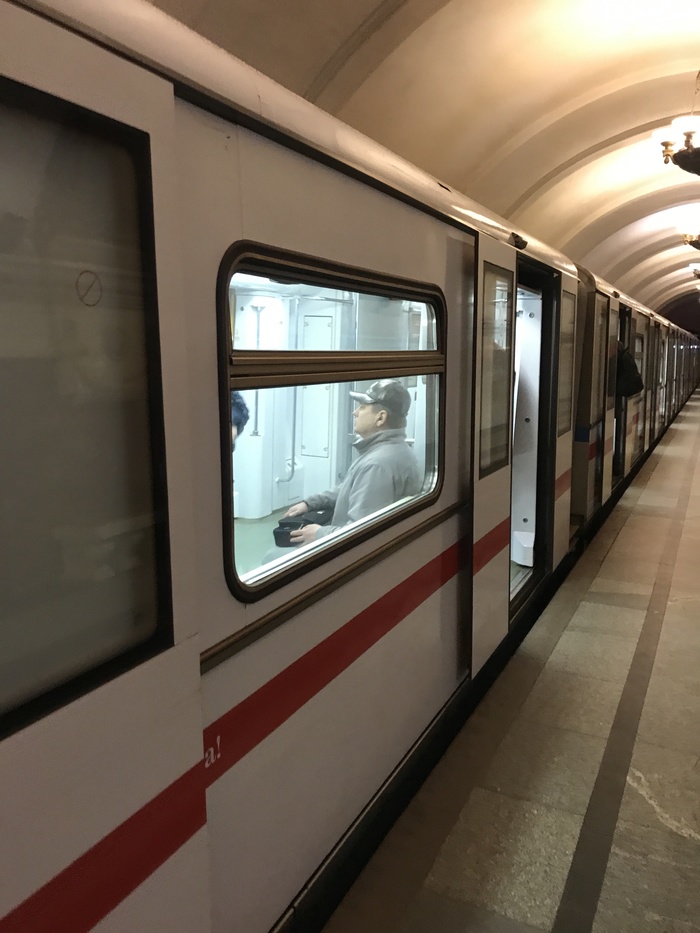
x=570 y=801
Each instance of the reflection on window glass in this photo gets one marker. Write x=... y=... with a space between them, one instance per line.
x=566 y=363
x=270 y=315
x=496 y=366
x=77 y=526
x=314 y=462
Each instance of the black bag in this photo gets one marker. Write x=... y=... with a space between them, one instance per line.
x=628 y=381
x=287 y=525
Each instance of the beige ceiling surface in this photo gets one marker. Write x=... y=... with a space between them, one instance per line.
x=541 y=110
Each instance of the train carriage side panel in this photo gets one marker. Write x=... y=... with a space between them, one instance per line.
x=305 y=724
x=83 y=783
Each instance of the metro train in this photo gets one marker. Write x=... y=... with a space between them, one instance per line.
x=203 y=729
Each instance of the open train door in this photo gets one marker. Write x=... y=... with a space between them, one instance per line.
x=534 y=428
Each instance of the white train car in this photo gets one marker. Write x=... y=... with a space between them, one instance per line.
x=614 y=430
x=204 y=729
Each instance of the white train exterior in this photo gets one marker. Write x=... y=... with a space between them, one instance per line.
x=197 y=731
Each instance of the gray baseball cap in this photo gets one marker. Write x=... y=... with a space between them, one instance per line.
x=386 y=392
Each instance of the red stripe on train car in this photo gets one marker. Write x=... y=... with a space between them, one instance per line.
x=561 y=484
x=97 y=882
x=609 y=444
x=592 y=449
x=491 y=544
x=100 y=879
x=237 y=732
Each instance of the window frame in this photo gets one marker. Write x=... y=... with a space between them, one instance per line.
x=495 y=466
x=136 y=143
x=260 y=369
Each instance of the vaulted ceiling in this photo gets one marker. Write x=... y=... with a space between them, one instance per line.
x=541 y=110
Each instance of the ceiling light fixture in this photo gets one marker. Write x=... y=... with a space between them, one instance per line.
x=684 y=155
x=692 y=239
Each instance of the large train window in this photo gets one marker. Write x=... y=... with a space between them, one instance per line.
x=331 y=410
x=83 y=518
x=566 y=363
x=496 y=368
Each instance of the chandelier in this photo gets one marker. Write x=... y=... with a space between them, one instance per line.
x=683 y=154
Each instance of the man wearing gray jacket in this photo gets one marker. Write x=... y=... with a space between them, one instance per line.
x=384 y=472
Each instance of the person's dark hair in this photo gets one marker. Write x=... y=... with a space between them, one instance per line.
x=239 y=412
x=392 y=419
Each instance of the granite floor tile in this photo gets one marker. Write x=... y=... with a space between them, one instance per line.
x=509 y=692
x=630 y=571
x=431 y=913
x=507 y=856
x=602 y=584
x=545 y=764
x=663 y=790
x=671 y=715
x=651 y=883
x=580 y=704
x=657 y=499
x=624 y=600
x=685 y=609
x=676 y=659
x=685 y=579
x=607 y=620
x=590 y=654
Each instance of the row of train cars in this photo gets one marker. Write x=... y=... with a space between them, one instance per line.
x=202 y=732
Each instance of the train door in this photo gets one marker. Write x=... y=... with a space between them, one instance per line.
x=663 y=375
x=492 y=447
x=564 y=420
x=609 y=420
x=654 y=352
x=98 y=620
x=587 y=483
x=638 y=404
x=623 y=328
x=649 y=347
x=533 y=429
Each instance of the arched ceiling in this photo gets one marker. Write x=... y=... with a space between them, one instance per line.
x=541 y=110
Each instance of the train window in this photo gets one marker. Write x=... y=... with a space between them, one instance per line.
x=295 y=315
x=82 y=514
x=331 y=457
x=566 y=363
x=496 y=368
x=330 y=414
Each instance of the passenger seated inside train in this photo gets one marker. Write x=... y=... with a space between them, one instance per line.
x=385 y=470
x=239 y=416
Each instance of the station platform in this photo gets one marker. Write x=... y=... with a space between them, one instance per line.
x=570 y=801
